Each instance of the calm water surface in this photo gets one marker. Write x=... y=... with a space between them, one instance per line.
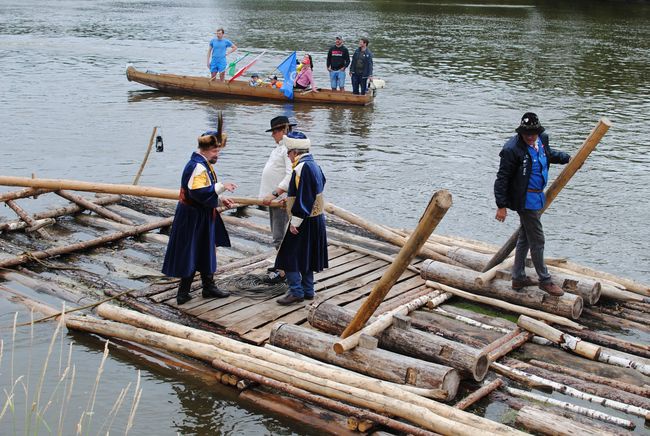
x=459 y=76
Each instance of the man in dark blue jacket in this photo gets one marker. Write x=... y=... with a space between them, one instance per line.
x=361 y=67
x=522 y=176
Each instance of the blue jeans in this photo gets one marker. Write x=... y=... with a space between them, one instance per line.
x=531 y=237
x=337 y=79
x=359 y=84
x=301 y=284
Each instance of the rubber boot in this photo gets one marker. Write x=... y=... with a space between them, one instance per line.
x=210 y=289
x=183 y=295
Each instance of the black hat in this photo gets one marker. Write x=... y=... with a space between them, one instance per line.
x=529 y=124
x=280 y=121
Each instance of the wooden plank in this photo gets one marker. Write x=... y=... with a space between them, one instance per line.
x=412 y=282
x=260 y=314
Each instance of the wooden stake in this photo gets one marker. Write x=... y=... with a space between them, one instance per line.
x=438 y=206
x=479 y=394
x=146 y=156
x=561 y=180
x=99 y=210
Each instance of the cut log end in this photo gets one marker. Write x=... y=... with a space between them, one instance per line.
x=576 y=309
x=482 y=366
x=338 y=348
x=450 y=384
x=443 y=199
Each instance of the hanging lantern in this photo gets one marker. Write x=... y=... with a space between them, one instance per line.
x=159 y=144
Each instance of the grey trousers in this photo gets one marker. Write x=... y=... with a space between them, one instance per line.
x=279 y=222
x=531 y=237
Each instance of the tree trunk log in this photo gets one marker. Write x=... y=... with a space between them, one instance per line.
x=514 y=343
x=479 y=394
x=560 y=181
x=553 y=425
x=23 y=193
x=437 y=208
x=567 y=305
x=568 y=342
x=332 y=319
x=99 y=210
x=19 y=260
x=642 y=350
x=32 y=225
x=376 y=363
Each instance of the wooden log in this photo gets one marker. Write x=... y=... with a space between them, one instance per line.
x=99 y=210
x=12 y=226
x=626 y=314
x=562 y=388
x=382 y=232
x=479 y=394
x=507 y=337
x=438 y=205
x=376 y=363
x=630 y=285
x=624 y=362
x=505 y=305
x=616 y=321
x=91 y=220
x=568 y=342
x=553 y=425
x=112 y=188
x=381 y=323
x=607 y=381
x=19 y=260
x=642 y=350
x=560 y=181
x=23 y=193
x=333 y=319
x=315 y=399
x=512 y=344
x=582 y=385
x=486 y=277
x=55 y=213
x=568 y=305
x=32 y=225
x=639 y=307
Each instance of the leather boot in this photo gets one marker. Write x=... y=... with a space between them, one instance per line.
x=210 y=289
x=183 y=294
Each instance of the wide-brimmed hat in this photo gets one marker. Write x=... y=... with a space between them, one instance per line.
x=296 y=141
x=530 y=124
x=280 y=121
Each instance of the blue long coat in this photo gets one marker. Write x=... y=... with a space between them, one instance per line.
x=197 y=226
x=306 y=251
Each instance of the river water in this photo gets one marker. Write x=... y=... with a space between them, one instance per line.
x=458 y=77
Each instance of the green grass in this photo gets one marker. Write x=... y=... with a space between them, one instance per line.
x=484 y=310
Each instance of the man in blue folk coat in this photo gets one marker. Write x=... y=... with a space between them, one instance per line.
x=304 y=248
x=198 y=228
x=522 y=176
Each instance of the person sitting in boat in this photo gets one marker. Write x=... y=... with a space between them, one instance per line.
x=274 y=82
x=198 y=228
x=305 y=78
x=303 y=250
x=255 y=80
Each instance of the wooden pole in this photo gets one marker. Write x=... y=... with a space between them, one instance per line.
x=56 y=251
x=111 y=188
x=146 y=156
x=577 y=345
x=33 y=226
x=562 y=179
x=487 y=276
x=479 y=394
x=99 y=210
x=438 y=206
x=27 y=192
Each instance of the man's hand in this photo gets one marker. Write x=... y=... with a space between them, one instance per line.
x=227 y=202
x=230 y=186
x=293 y=229
x=502 y=212
x=268 y=199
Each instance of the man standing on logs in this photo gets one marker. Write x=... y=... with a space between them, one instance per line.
x=304 y=248
x=198 y=228
x=275 y=182
x=520 y=182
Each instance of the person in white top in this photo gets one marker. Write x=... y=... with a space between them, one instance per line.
x=275 y=182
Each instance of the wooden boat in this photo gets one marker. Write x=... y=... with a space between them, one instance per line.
x=239 y=88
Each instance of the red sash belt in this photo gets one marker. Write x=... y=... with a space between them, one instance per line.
x=536 y=190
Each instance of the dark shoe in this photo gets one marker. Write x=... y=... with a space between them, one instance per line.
x=310 y=297
x=184 y=287
x=210 y=289
x=551 y=288
x=274 y=278
x=289 y=298
x=519 y=284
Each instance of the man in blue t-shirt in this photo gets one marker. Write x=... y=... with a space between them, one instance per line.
x=217 y=55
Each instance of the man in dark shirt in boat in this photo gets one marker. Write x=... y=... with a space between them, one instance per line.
x=361 y=67
x=198 y=228
x=522 y=176
x=338 y=59
x=304 y=248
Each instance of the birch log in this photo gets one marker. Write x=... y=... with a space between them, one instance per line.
x=568 y=342
x=553 y=425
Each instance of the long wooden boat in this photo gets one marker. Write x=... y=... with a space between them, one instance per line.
x=239 y=88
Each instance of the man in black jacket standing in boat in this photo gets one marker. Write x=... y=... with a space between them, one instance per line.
x=522 y=176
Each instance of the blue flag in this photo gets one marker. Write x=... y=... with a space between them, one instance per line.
x=288 y=70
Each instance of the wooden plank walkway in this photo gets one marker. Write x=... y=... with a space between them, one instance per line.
x=350 y=277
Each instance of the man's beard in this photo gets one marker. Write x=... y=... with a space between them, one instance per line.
x=213 y=161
